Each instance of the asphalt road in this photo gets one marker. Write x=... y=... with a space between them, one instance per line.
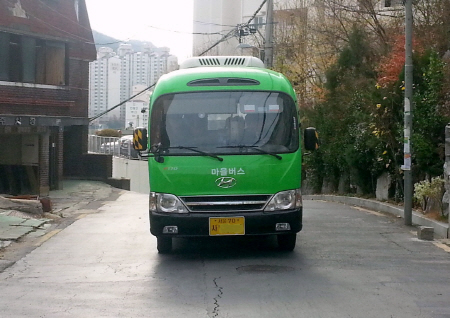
x=348 y=263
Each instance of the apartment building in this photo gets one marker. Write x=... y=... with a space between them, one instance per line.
x=45 y=48
x=109 y=87
x=125 y=53
x=104 y=81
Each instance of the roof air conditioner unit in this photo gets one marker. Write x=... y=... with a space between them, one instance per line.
x=211 y=61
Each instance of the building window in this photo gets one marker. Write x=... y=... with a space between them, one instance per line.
x=258 y=22
x=30 y=60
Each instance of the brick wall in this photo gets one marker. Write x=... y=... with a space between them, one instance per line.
x=56 y=19
x=89 y=167
x=79 y=82
x=68 y=101
x=60 y=110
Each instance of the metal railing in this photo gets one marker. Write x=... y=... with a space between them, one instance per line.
x=119 y=147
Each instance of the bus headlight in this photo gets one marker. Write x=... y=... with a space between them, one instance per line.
x=167 y=203
x=285 y=200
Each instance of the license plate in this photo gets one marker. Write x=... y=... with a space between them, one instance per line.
x=227 y=226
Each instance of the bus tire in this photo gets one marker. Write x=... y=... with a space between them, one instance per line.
x=286 y=242
x=163 y=244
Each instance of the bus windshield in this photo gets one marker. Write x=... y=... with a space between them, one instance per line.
x=231 y=122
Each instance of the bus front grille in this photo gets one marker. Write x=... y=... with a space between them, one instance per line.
x=226 y=203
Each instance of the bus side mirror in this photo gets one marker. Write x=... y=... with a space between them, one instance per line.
x=140 y=139
x=311 y=139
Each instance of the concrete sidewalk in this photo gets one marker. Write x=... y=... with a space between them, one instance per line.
x=76 y=197
x=441 y=230
x=13 y=228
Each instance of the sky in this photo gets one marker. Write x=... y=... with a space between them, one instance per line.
x=162 y=22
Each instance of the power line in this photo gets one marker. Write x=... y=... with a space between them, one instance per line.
x=64 y=16
x=230 y=33
x=224 y=38
x=84 y=40
x=109 y=43
x=120 y=104
x=77 y=37
x=257 y=11
x=175 y=31
x=154 y=27
x=211 y=23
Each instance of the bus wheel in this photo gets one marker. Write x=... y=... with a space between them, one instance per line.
x=286 y=242
x=163 y=244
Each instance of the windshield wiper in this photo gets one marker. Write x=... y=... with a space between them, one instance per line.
x=255 y=148
x=198 y=151
x=156 y=149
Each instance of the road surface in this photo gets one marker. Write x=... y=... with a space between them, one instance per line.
x=348 y=263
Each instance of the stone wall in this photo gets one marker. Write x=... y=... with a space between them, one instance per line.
x=383 y=184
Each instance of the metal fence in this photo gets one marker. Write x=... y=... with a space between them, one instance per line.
x=119 y=147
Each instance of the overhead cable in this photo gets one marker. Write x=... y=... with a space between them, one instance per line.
x=120 y=104
x=231 y=32
x=224 y=38
x=257 y=11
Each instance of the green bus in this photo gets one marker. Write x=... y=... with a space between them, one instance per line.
x=224 y=148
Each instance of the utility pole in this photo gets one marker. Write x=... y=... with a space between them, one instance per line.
x=408 y=114
x=268 y=44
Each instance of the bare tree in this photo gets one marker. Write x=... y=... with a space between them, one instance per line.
x=432 y=24
x=310 y=35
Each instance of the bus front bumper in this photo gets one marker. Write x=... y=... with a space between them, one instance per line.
x=200 y=224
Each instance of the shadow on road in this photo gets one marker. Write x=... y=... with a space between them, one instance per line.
x=237 y=247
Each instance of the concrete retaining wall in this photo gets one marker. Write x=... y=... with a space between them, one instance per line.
x=135 y=170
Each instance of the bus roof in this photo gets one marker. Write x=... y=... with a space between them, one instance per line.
x=206 y=78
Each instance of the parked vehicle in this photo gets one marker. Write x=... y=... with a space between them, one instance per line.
x=112 y=148
x=126 y=147
x=225 y=141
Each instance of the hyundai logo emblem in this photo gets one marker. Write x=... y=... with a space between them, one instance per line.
x=225 y=182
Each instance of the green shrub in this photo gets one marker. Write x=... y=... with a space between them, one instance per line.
x=108 y=133
x=426 y=192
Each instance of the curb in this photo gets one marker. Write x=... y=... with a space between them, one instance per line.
x=440 y=229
